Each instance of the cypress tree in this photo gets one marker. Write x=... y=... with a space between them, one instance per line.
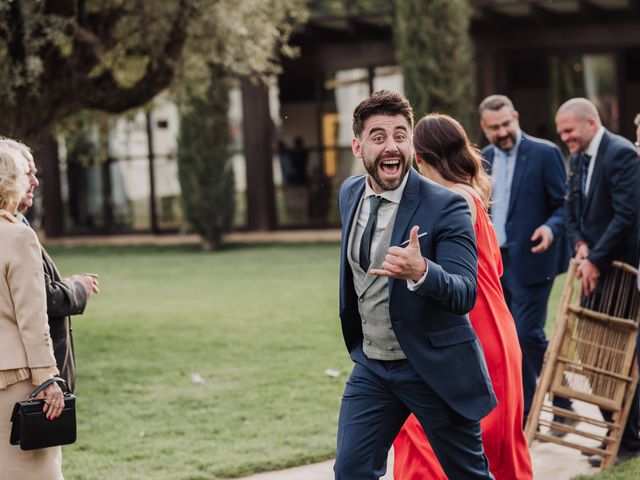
x=204 y=160
x=433 y=47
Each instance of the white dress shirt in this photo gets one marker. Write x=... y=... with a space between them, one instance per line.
x=592 y=151
x=386 y=212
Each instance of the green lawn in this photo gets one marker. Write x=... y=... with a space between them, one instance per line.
x=554 y=303
x=259 y=324
x=629 y=470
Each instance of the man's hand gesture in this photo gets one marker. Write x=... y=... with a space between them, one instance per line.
x=89 y=283
x=544 y=236
x=589 y=274
x=405 y=263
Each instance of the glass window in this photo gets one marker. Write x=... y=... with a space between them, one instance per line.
x=588 y=75
x=388 y=78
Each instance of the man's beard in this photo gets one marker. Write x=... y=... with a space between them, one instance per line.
x=373 y=169
x=499 y=141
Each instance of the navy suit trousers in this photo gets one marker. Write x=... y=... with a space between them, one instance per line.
x=377 y=400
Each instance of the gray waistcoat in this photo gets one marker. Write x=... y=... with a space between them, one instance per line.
x=380 y=342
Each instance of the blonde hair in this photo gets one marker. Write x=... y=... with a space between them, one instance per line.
x=19 y=146
x=14 y=182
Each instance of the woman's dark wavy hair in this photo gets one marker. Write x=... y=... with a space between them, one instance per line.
x=441 y=142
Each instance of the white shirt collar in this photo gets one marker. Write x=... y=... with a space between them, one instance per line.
x=592 y=150
x=393 y=196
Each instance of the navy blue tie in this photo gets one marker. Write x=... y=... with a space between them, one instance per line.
x=584 y=173
x=369 y=230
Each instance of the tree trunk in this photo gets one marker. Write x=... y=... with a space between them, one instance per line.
x=261 y=210
x=46 y=155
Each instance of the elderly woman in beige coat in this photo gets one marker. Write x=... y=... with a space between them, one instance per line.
x=26 y=354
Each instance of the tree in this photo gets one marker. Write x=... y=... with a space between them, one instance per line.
x=58 y=57
x=434 y=49
x=204 y=164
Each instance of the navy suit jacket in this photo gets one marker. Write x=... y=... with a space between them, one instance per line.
x=537 y=197
x=430 y=324
x=607 y=220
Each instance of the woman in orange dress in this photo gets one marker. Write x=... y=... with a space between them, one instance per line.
x=445 y=156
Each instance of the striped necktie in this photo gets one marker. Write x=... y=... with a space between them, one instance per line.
x=369 y=230
x=584 y=173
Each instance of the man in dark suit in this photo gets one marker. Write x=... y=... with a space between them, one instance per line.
x=65 y=297
x=601 y=212
x=527 y=212
x=636 y=144
x=404 y=297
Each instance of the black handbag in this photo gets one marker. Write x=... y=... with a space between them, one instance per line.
x=30 y=427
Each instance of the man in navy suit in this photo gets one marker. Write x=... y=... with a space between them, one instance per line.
x=636 y=144
x=527 y=212
x=601 y=213
x=407 y=280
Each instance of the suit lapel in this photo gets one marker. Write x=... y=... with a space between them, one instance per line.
x=488 y=156
x=351 y=202
x=408 y=205
x=597 y=169
x=518 y=173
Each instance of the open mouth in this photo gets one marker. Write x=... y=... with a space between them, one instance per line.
x=391 y=166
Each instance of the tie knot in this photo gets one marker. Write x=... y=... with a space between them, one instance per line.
x=374 y=204
x=586 y=159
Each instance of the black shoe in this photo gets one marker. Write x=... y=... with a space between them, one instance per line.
x=569 y=422
x=624 y=455
x=602 y=446
x=595 y=461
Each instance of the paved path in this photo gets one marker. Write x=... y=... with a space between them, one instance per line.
x=550 y=462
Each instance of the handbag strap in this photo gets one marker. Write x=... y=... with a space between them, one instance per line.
x=45 y=384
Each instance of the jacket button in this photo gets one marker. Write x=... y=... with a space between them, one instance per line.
x=369 y=342
x=361 y=299
x=391 y=349
x=364 y=320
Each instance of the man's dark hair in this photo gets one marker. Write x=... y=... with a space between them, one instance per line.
x=495 y=103
x=382 y=102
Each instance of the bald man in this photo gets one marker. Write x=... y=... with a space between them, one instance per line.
x=601 y=212
x=637 y=142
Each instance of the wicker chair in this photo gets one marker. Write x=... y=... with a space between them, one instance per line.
x=592 y=358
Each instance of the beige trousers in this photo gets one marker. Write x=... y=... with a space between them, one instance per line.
x=16 y=464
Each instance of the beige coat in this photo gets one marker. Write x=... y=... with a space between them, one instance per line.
x=24 y=331
x=25 y=347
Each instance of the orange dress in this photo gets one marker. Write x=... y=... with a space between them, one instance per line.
x=504 y=441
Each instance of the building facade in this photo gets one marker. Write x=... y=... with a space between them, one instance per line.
x=292 y=141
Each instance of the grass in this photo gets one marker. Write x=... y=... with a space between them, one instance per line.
x=629 y=470
x=259 y=324
x=554 y=304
